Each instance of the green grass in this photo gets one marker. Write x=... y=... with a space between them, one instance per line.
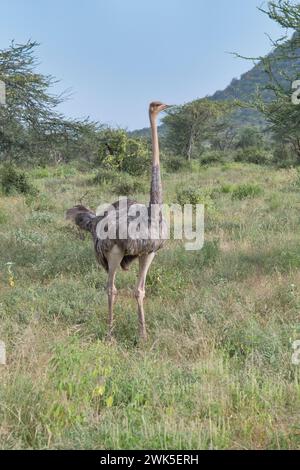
x=216 y=372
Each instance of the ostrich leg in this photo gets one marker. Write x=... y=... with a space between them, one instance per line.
x=114 y=259
x=144 y=264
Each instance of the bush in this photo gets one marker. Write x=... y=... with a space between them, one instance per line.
x=243 y=191
x=120 y=183
x=15 y=181
x=174 y=164
x=284 y=156
x=254 y=155
x=195 y=196
x=212 y=156
x=64 y=171
x=249 y=136
x=119 y=152
x=40 y=172
x=136 y=162
x=297 y=179
x=126 y=185
x=227 y=188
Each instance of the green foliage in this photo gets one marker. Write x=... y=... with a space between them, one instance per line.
x=40 y=218
x=249 y=137
x=174 y=164
x=209 y=253
x=248 y=190
x=221 y=319
x=119 y=182
x=32 y=129
x=105 y=176
x=137 y=159
x=112 y=148
x=195 y=196
x=297 y=179
x=226 y=188
x=29 y=238
x=281 y=69
x=15 y=181
x=259 y=156
x=120 y=153
x=40 y=172
x=284 y=156
x=188 y=126
x=127 y=185
x=40 y=202
x=209 y=157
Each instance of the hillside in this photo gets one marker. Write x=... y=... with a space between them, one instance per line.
x=256 y=79
x=245 y=88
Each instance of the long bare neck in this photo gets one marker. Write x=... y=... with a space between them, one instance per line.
x=156 y=189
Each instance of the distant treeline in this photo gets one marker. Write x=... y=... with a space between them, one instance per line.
x=254 y=119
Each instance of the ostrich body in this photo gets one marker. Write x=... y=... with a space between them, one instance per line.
x=115 y=251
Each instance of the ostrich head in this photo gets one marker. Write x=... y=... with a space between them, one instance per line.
x=156 y=107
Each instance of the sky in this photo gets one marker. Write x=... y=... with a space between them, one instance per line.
x=118 y=55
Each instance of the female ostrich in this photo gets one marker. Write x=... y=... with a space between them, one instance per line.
x=115 y=251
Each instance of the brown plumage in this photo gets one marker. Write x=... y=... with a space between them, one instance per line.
x=87 y=220
x=115 y=251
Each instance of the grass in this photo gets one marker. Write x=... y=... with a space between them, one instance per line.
x=216 y=372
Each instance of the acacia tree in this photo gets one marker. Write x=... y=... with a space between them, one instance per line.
x=223 y=133
x=189 y=125
x=30 y=125
x=282 y=68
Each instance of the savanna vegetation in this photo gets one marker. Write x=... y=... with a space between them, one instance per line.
x=217 y=371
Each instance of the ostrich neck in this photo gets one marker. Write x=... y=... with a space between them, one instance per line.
x=156 y=189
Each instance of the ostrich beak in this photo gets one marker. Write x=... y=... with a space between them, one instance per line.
x=165 y=106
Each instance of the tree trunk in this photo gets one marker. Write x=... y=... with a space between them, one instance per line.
x=190 y=145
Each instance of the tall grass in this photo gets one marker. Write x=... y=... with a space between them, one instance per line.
x=216 y=372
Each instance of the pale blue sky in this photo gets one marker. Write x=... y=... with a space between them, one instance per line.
x=117 y=55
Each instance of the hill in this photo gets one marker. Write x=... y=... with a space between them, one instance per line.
x=245 y=87
x=256 y=80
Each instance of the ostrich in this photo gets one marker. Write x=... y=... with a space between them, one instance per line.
x=113 y=252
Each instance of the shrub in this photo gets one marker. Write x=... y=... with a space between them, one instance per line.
x=136 y=162
x=127 y=185
x=174 y=164
x=120 y=183
x=195 y=196
x=255 y=155
x=227 y=188
x=64 y=171
x=31 y=238
x=297 y=180
x=249 y=136
x=40 y=172
x=40 y=218
x=284 y=156
x=212 y=156
x=15 y=181
x=243 y=191
x=119 y=152
x=209 y=253
x=224 y=189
